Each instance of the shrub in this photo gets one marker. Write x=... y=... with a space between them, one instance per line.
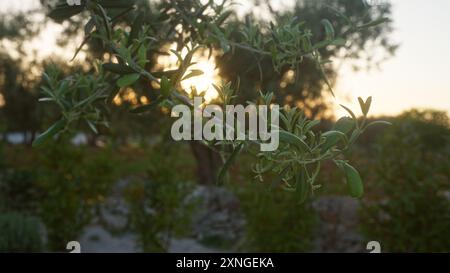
x=72 y=180
x=19 y=233
x=276 y=221
x=411 y=212
x=157 y=208
x=17 y=191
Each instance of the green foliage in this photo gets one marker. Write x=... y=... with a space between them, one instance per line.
x=275 y=221
x=70 y=183
x=296 y=164
x=158 y=211
x=77 y=96
x=17 y=191
x=51 y=132
x=412 y=207
x=288 y=43
x=19 y=233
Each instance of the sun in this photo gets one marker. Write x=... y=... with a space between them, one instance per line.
x=202 y=83
x=205 y=81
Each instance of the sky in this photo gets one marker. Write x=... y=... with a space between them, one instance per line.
x=419 y=73
x=416 y=77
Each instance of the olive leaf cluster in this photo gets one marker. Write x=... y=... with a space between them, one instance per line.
x=194 y=26
x=296 y=164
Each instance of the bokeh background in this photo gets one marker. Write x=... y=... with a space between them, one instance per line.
x=130 y=188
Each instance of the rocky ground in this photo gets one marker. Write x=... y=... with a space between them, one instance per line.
x=218 y=216
x=338 y=221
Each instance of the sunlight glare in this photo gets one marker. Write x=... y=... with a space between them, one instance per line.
x=202 y=82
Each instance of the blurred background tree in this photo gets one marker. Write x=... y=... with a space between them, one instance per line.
x=306 y=88
x=18 y=90
x=410 y=208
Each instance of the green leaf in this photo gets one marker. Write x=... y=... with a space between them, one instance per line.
x=166 y=86
x=354 y=182
x=64 y=11
x=338 y=42
x=80 y=47
x=142 y=56
x=227 y=164
x=192 y=73
x=89 y=26
x=349 y=111
x=361 y=104
x=343 y=126
x=121 y=69
x=92 y=126
x=368 y=103
x=106 y=20
x=365 y=106
x=329 y=30
x=378 y=122
x=128 y=80
x=290 y=138
x=311 y=125
x=53 y=130
x=325 y=78
x=331 y=139
x=333 y=133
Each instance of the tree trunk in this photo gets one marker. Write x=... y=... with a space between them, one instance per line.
x=208 y=163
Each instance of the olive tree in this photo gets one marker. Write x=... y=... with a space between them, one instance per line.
x=193 y=25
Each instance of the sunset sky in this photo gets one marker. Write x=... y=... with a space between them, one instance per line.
x=417 y=76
